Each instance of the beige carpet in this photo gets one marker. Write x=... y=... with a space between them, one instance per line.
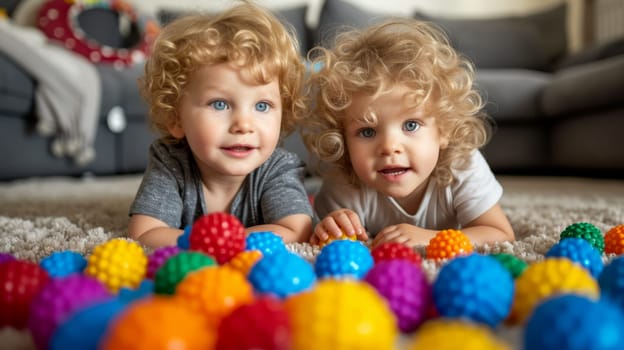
x=38 y=217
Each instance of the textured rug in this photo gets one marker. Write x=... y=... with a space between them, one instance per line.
x=40 y=216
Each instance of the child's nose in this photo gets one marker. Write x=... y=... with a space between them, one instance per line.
x=241 y=123
x=389 y=144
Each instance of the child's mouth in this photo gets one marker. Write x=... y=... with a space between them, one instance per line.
x=393 y=171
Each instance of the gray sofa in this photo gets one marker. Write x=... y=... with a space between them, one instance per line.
x=553 y=113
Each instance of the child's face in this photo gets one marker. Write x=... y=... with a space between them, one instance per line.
x=231 y=123
x=397 y=154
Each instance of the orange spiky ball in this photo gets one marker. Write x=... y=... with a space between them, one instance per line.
x=614 y=240
x=448 y=244
x=245 y=260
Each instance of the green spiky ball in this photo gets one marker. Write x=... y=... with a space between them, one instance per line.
x=586 y=231
x=513 y=264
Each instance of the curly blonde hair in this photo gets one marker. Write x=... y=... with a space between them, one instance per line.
x=247 y=35
x=372 y=61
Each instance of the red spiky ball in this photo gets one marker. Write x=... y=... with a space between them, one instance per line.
x=20 y=282
x=394 y=250
x=264 y=324
x=220 y=235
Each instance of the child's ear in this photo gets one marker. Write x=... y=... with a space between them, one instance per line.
x=176 y=130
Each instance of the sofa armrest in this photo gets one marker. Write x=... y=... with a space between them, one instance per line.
x=588 y=86
x=594 y=53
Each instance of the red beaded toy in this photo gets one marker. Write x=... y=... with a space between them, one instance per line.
x=614 y=240
x=448 y=244
x=394 y=250
x=20 y=282
x=262 y=324
x=220 y=235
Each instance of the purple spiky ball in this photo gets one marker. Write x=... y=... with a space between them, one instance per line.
x=404 y=285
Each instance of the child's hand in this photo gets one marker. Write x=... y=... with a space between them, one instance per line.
x=336 y=223
x=407 y=234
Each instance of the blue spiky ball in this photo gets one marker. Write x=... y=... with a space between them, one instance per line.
x=579 y=251
x=476 y=287
x=266 y=242
x=281 y=274
x=344 y=258
x=63 y=263
x=611 y=282
x=574 y=322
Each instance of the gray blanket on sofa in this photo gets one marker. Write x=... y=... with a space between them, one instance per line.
x=67 y=97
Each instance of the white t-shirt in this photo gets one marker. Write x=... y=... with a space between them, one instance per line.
x=474 y=192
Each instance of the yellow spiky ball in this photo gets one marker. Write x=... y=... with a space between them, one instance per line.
x=341 y=314
x=332 y=238
x=451 y=334
x=547 y=278
x=118 y=263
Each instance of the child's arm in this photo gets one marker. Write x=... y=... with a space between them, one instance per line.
x=336 y=223
x=491 y=226
x=152 y=232
x=292 y=228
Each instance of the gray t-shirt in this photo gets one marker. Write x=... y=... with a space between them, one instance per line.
x=171 y=189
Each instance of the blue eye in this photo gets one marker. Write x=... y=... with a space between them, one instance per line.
x=366 y=132
x=219 y=105
x=262 y=107
x=411 y=125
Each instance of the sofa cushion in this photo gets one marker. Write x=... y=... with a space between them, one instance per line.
x=530 y=42
x=512 y=94
x=294 y=16
x=16 y=88
x=338 y=15
x=591 y=86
